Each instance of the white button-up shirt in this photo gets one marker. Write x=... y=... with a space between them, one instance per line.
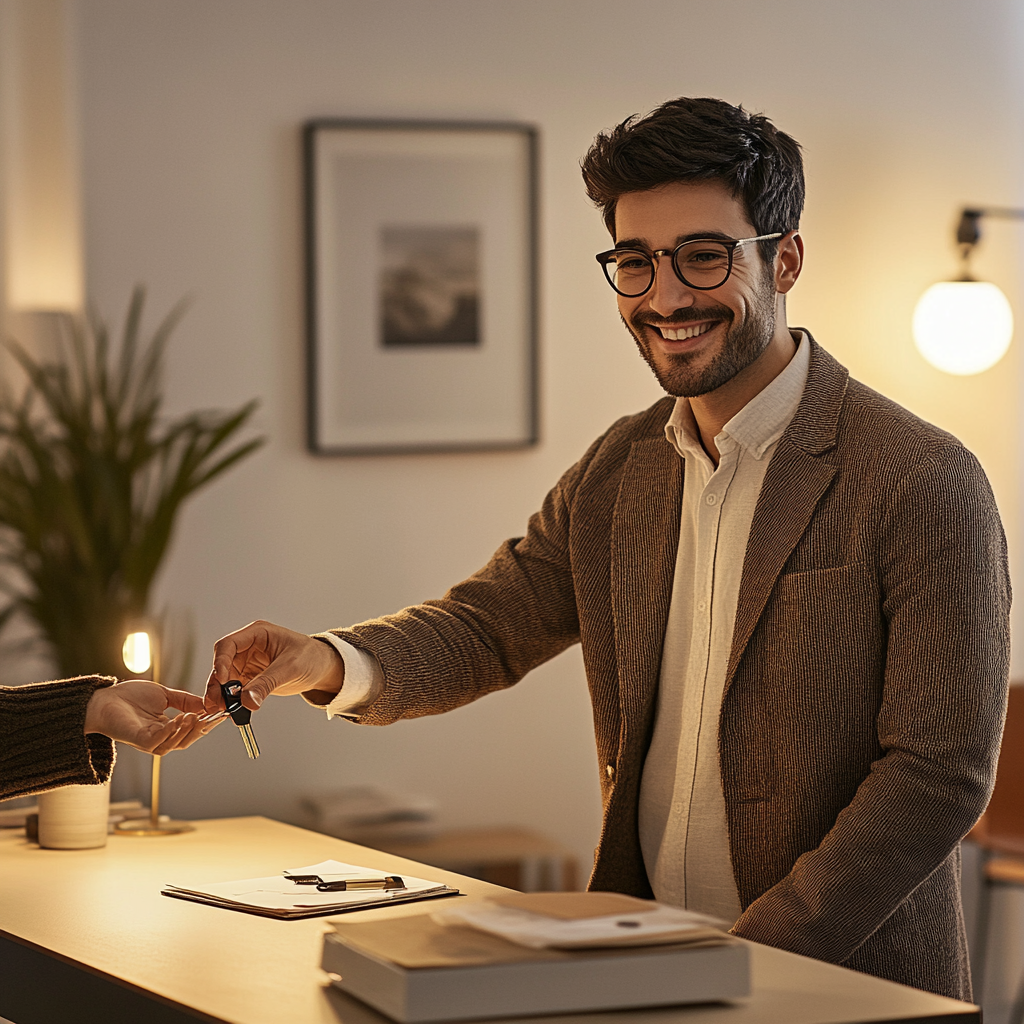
x=683 y=831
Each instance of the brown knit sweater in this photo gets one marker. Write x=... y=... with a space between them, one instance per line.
x=42 y=743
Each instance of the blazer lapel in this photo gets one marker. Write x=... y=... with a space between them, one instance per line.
x=645 y=535
x=798 y=475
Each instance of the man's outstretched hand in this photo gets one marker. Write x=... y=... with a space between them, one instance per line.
x=270 y=659
x=133 y=713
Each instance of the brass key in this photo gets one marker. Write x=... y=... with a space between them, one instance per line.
x=240 y=715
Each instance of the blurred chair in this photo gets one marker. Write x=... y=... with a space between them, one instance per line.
x=1000 y=835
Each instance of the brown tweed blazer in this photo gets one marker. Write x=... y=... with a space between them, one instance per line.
x=866 y=688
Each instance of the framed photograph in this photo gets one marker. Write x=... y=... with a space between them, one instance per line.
x=421 y=286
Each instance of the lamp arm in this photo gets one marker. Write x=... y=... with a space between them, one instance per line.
x=1003 y=212
x=968 y=231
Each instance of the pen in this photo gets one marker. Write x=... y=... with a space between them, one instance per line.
x=354 y=884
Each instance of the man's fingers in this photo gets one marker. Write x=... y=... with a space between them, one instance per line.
x=224 y=651
x=259 y=689
x=287 y=671
x=266 y=658
x=250 y=645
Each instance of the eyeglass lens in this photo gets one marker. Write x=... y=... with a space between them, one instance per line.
x=702 y=264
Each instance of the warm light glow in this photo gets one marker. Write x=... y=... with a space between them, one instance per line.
x=42 y=256
x=136 y=652
x=963 y=327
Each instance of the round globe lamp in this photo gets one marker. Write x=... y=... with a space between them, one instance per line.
x=137 y=652
x=963 y=327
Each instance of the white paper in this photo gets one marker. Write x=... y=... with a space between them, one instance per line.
x=278 y=893
x=539 y=931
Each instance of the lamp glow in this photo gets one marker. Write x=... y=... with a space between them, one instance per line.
x=138 y=656
x=136 y=652
x=963 y=327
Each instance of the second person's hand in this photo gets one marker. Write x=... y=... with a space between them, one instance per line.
x=133 y=712
x=268 y=659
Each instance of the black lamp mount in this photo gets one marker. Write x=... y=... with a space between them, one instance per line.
x=968 y=231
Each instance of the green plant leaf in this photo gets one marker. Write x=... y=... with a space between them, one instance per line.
x=92 y=479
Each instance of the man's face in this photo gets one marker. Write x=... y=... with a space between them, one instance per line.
x=695 y=341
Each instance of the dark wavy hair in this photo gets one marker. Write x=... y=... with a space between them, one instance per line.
x=701 y=140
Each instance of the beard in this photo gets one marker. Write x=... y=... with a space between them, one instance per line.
x=744 y=342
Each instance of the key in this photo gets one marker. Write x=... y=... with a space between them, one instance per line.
x=241 y=716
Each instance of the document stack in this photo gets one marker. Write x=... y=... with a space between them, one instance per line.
x=317 y=890
x=535 y=953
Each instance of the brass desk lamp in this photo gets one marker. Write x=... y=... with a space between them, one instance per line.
x=140 y=654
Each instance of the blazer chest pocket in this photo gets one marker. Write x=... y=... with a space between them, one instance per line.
x=821 y=631
x=841 y=599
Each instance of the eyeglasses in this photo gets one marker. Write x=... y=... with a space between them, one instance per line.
x=700 y=263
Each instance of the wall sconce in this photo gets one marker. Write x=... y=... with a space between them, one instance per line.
x=965 y=326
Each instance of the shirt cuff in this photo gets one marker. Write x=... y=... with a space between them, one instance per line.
x=364 y=679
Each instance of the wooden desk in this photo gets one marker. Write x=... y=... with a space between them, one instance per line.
x=86 y=937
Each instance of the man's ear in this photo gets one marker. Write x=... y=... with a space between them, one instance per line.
x=789 y=261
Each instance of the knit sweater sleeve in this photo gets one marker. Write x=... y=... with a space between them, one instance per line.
x=42 y=740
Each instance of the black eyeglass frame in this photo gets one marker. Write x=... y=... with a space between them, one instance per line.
x=607 y=258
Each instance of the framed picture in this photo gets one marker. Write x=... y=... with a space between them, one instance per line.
x=421 y=286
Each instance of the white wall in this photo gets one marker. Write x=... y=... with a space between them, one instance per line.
x=190 y=114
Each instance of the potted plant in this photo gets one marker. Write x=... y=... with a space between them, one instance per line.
x=92 y=477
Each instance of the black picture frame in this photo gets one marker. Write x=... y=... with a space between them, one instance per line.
x=421 y=285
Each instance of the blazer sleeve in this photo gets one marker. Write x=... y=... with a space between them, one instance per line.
x=943 y=572
x=487 y=632
x=42 y=741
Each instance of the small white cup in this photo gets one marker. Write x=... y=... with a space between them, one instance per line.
x=74 y=817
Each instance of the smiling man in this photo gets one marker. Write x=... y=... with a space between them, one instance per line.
x=791 y=594
x=713 y=326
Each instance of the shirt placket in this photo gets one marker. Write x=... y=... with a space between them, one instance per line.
x=704 y=723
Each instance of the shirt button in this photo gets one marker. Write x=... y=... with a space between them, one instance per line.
x=711 y=499
x=701 y=606
x=609 y=770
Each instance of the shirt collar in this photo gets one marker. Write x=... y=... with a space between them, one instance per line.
x=759 y=424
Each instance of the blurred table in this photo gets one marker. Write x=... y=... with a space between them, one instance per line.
x=86 y=938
